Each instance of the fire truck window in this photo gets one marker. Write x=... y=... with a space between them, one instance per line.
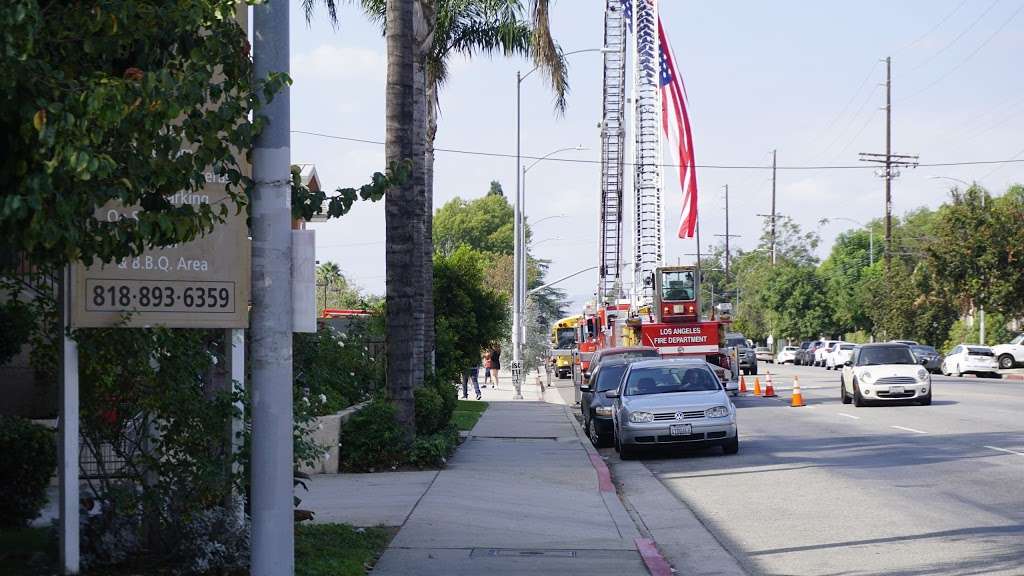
x=590 y=328
x=677 y=286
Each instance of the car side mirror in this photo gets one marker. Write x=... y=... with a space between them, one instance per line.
x=848 y=363
x=612 y=394
x=584 y=387
x=922 y=361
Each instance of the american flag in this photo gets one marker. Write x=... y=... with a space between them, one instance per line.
x=676 y=123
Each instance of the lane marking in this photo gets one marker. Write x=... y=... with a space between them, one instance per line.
x=910 y=429
x=849 y=415
x=1005 y=450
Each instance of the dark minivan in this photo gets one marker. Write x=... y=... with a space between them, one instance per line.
x=596 y=407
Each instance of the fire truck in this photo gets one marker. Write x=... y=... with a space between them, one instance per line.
x=659 y=305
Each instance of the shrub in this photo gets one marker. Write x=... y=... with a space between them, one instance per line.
x=429 y=410
x=337 y=366
x=30 y=457
x=433 y=450
x=371 y=439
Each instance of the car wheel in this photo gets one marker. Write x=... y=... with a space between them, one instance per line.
x=733 y=445
x=615 y=440
x=842 y=392
x=858 y=400
x=956 y=371
x=926 y=400
x=1006 y=361
x=754 y=370
x=595 y=436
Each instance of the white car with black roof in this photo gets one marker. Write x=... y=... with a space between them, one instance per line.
x=884 y=373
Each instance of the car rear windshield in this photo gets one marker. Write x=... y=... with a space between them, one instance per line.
x=644 y=381
x=648 y=353
x=979 y=352
x=924 y=350
x=609 y=377
x=735 y=342
x=885 y=355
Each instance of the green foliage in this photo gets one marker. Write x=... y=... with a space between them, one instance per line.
x=842 y=273
x=337 y=549
x=307 y=203
x=468 y=315
x=433 y=450
x=336 y=369
x=371 y=440
x=963 y=332
x=429 y=417
x=28 y=551
x=16 y=319
x=110 y=101
x=30 y=457
x=484 y=224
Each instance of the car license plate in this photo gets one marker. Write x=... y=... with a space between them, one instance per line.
x=895 y=389
x=680 y=429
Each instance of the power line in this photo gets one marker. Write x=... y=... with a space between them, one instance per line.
x=956 y=39
x=668 y=165
x=933 y=28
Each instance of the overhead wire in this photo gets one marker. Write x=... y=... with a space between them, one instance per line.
x=952 y=42
x=670 y=165
x=932 y=29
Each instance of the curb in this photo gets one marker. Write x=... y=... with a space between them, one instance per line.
x=656 y=564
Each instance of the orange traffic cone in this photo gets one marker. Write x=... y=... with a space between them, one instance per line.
x=757 y=386
x=798 y=398
x=769 y=390
x=743 y=385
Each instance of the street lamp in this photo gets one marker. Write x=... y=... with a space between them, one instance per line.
x=518 y=289
x=546 y=218
x=948 y=178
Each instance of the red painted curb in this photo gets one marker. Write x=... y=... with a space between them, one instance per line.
x=655 y=562
x=1013 y=377
x=604 y=475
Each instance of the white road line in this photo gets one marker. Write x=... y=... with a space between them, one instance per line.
x=910 y=429
x=1005 y=450
x=849 y=415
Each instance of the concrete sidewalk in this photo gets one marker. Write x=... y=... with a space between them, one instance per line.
x=521 y=496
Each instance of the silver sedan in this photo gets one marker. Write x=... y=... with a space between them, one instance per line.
x=672 y=403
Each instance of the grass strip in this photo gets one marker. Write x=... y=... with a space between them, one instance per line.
x=467 y=412
x=338 y=549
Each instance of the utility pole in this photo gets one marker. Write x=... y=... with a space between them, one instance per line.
x=889 y=161
x=273 y=522
x=727 y=236
x=773 y=207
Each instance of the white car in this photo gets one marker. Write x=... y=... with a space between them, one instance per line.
x=884 y=372
x=1010 y=355
x=787 y=354
x=819 y=354
x=970 y=358
x=764 y=354
x=838 y=355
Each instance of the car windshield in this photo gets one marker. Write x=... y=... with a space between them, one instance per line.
x=1018 y=340
x=649 y=353
x=735 y=342
x=885 y=355
x=609 y=376
x=644 y=381
x=979 y=352
x=566 y=337
x=923 y=350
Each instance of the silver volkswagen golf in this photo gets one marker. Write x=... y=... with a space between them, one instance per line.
x=671 y=403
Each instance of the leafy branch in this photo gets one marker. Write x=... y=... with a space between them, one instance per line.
x=307 y=203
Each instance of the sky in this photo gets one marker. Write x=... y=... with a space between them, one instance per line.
x=804 y=78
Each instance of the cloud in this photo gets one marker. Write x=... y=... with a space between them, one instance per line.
x=330 y=62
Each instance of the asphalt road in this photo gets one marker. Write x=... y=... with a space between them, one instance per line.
x=830 y=489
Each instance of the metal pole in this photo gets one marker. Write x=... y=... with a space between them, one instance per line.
x=518 y=248
x=523 y=273
x=236 y=368
x=68 y=444
x=273 y=522
x=773 y=208
x=726 y=233
x=871 y=246
x=888 y=162
x=981 y=326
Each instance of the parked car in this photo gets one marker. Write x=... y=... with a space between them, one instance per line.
x=1010 y=355
x=619 y=352
x=747 y=356
x=970 y=359
x=595 y=406
x=806 y=355
x=838 y=355
x=884 y=372
x=932 y=358
x=801 y=355
x=764 y=354
x=787 y=354
x=907 y=342
x=821 y=351
x=672 y=402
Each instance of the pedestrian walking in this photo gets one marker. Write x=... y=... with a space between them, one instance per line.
x=467 y=375
x=495 y=363
x=485 y=358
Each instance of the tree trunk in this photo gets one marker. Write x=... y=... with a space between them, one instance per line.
x=429 y=339
x=401 y=209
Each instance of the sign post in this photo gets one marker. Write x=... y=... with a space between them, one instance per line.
x=517 y=370
x=68 y=443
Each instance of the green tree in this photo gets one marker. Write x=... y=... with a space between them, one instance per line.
x=842 y=273
x=484 y=224
x=333 y=290
x=110 y=101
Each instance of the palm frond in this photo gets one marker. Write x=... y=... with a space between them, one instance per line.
x=547 y=54
x=309 y=6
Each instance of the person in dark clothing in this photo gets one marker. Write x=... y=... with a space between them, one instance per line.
x=495 y=363
x=467 y=375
